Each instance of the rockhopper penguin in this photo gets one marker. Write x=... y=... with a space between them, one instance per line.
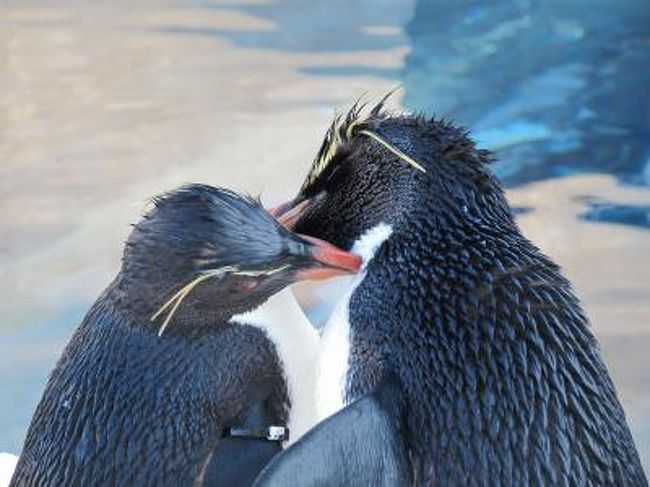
x=175 y=365
x=496 y=377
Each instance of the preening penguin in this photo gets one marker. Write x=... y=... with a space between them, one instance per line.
x=500 y=378
x=174 y=366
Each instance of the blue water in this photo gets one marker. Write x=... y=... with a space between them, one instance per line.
x=555 y=87
x=635 y=215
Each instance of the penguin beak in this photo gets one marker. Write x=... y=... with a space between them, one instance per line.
x=287 y=214
x=328 y=261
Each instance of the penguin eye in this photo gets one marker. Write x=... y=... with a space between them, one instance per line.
x=248 y=285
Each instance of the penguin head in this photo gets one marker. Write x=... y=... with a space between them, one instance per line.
x=378 y=168
x=224 y=248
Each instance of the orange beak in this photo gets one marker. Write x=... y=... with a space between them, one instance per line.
x=329 y=260
x=332 y=261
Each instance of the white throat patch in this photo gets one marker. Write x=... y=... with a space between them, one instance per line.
x=296 y=342
x=335 y=348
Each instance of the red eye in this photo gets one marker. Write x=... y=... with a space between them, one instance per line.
x=248 y=286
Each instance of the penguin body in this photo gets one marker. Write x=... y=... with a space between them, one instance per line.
x=149 y=390
x=501 y=379
x=334 y=357
x=91 y=428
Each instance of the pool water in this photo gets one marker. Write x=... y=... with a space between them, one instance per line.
x=106 y=103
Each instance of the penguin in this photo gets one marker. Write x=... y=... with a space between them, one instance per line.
x=177 y=376
x=495 y=375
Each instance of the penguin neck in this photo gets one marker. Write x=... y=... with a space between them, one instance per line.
x=334 y=357
x=296 y=343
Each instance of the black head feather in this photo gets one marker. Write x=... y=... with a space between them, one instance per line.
x=228 y=243
x=374 y=166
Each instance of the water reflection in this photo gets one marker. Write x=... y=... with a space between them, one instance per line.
x=314 y=26
x=635 y=215
x=556 y=87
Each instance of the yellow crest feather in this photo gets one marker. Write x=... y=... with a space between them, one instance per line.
x=343 y=129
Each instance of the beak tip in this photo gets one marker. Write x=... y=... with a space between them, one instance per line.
x=332 y=260
x=339 y=259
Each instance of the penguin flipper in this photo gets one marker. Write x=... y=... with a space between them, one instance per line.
x=237 y=461
x=359 y=445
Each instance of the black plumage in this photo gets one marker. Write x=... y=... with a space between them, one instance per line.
x=125 y=406
x=502 y=378
x=360 y=445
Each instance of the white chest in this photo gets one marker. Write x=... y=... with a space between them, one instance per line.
x=335 y=347
x=296 y=342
